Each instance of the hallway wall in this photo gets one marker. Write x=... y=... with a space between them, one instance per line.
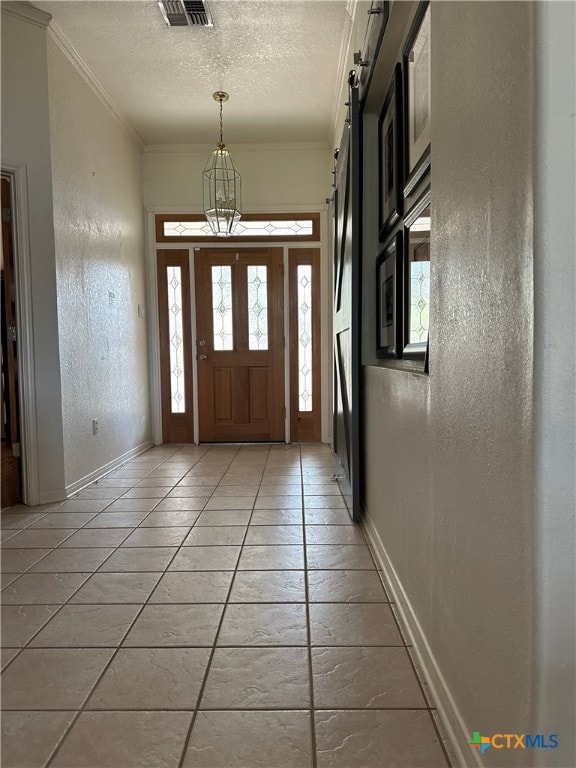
x=274 y=177
x=26 y=144
x=100 y=263
x=554 y=674
x=449 y=456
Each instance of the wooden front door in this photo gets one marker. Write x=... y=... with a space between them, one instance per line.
x=240 y=344
x=11 y=462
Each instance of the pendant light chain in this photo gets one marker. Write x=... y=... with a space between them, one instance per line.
x=221 y=145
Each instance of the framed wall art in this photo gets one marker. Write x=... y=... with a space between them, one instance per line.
x=390 y=165
x=389 y=299
x=416 y=60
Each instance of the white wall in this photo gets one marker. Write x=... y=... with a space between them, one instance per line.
x=449 y=456
x=26 y=144
x=274 y=177
x=553 y=698
x=99 y=235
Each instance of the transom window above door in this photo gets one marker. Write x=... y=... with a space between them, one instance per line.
x=278 y=227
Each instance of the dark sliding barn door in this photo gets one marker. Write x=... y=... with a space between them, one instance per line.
x=347 y=309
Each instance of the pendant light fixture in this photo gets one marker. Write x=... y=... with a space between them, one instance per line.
x=222 y=206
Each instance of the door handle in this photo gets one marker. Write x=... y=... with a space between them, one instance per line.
x=202 y=357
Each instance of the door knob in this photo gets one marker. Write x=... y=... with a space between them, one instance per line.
x=203 y=357
x=202 y=343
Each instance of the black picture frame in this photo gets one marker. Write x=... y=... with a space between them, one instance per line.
x=417 y=99
x=416 y=251
x=390 y=156
x=389 y=299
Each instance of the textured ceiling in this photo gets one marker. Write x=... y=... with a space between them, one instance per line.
x=278 y=59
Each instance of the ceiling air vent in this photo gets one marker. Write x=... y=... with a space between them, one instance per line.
x=186 y=13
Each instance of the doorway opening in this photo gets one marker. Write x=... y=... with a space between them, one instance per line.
x=10 y=418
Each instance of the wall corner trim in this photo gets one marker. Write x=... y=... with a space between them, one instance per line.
x=64 y=44
x=99 y=473
x=452 y=721
x=52 y=497
x=27 y=367
x=28 y=13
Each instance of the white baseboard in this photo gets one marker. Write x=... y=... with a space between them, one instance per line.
x=452 y=722
x=98 y=474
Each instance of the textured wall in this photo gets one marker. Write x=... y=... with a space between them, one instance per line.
x=26 y=143
x=553 y=698
x=99 y=232
x=449 y=456
x=272 y=176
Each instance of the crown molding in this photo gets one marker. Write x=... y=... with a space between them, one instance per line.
x=188 y=149
x=64 y=44
x=26 y=12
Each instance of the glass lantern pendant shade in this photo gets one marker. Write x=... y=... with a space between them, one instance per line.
x=222 y=204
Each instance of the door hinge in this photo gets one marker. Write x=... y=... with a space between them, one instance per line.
x=7 y=215
x=16 y=450
x=11 y=333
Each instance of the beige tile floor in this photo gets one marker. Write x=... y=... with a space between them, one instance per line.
x=205 y=607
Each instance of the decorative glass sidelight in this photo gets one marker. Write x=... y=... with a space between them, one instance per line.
x=257 y=307
x=419 y=279
x=222 y=308
x=305 y=391
x=176 y=337
x=419 y=301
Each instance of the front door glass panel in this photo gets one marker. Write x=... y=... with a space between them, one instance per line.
x=257 y=307
x=222 y=308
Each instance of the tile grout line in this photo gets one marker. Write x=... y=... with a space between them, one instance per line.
x=191 y=645
x=227 y=602
x=26 y=646
x=429 y=708
x=308 y=627
x=115 y=652
x=78 y=528
x=214 y=644
x=234 y=709
x=53 y=549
